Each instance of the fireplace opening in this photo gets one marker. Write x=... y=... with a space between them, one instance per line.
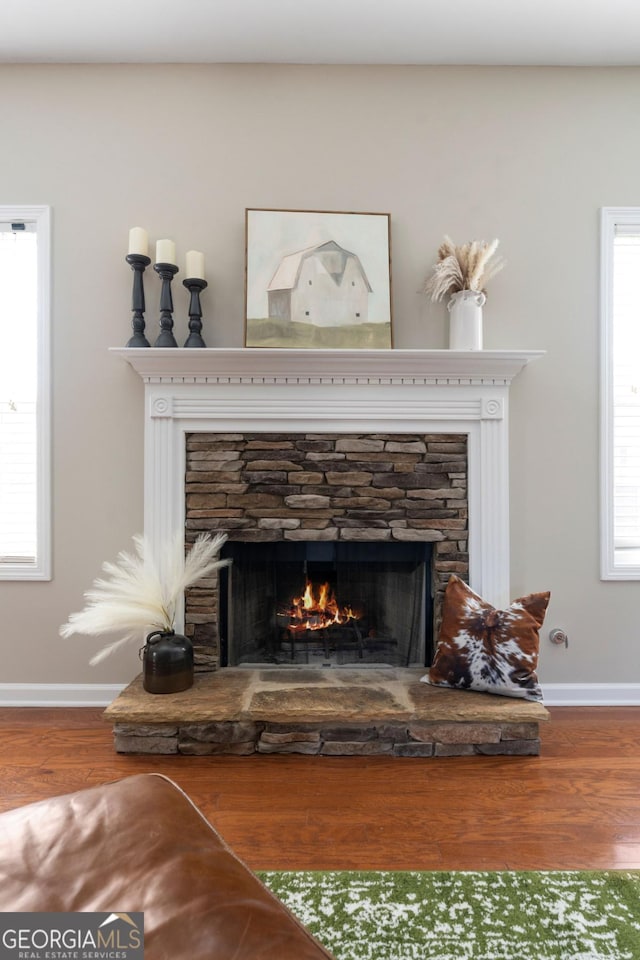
x=326 y=604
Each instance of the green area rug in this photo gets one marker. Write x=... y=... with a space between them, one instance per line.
x=558 y=915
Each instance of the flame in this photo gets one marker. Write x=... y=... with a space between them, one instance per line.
x=317 y=608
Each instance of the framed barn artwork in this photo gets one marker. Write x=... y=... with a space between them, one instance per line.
x=318 y=280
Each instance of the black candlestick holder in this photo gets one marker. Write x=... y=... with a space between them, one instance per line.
x=195 y=286
x=138 y=264
x=166 y=271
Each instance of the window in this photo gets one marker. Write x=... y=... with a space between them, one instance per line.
x=25 y=498
x=620 y=394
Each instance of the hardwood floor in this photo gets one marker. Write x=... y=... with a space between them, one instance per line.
x=577 y=806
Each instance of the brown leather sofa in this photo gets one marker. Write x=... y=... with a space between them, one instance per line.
x=140 y=844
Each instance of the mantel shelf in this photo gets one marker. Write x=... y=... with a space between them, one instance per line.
x=377 y=366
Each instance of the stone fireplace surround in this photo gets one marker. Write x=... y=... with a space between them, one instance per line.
x=339 y=489
x=253 y=391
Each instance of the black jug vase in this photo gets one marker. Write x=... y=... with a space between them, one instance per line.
x=167 y=662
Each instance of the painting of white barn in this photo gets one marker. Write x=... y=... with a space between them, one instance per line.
x=317 y=280
x=324 y=285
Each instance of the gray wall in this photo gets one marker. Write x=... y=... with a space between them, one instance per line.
x=527 y=155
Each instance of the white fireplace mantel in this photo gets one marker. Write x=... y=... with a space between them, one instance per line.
x=232 y=390
x=312 y=366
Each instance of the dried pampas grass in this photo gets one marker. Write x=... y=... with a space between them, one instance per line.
x=467 y=267
x=136 y=598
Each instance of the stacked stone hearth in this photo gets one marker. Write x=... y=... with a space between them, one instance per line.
x=262 y=487
x=336 y=713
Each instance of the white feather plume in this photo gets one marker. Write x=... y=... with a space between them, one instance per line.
x=136 y=597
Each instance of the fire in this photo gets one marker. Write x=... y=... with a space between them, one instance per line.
x=317 y=609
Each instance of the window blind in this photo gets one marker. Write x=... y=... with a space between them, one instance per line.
x=626 y=386
x=18 y=393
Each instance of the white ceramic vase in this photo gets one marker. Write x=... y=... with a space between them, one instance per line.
x=465 y=320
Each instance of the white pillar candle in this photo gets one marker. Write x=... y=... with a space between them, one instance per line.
x=139 y=241
x=165 y=251
x=194 y=265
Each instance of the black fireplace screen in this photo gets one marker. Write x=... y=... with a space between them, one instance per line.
x=326 y=603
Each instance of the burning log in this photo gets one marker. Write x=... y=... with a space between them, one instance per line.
x=317 y=609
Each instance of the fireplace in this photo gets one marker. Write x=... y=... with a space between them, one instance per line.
x=223 y=396
x=326 y=604
x=338 y=490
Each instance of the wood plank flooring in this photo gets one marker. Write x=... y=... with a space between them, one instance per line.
x=577 y=806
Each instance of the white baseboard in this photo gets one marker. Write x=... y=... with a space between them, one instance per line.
x=101 y=694
x=59 y=694
x=591 y=694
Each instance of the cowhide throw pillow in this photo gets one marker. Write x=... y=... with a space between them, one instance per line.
x=481 y=648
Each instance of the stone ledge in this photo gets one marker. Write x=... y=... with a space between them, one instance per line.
x=334 y=712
